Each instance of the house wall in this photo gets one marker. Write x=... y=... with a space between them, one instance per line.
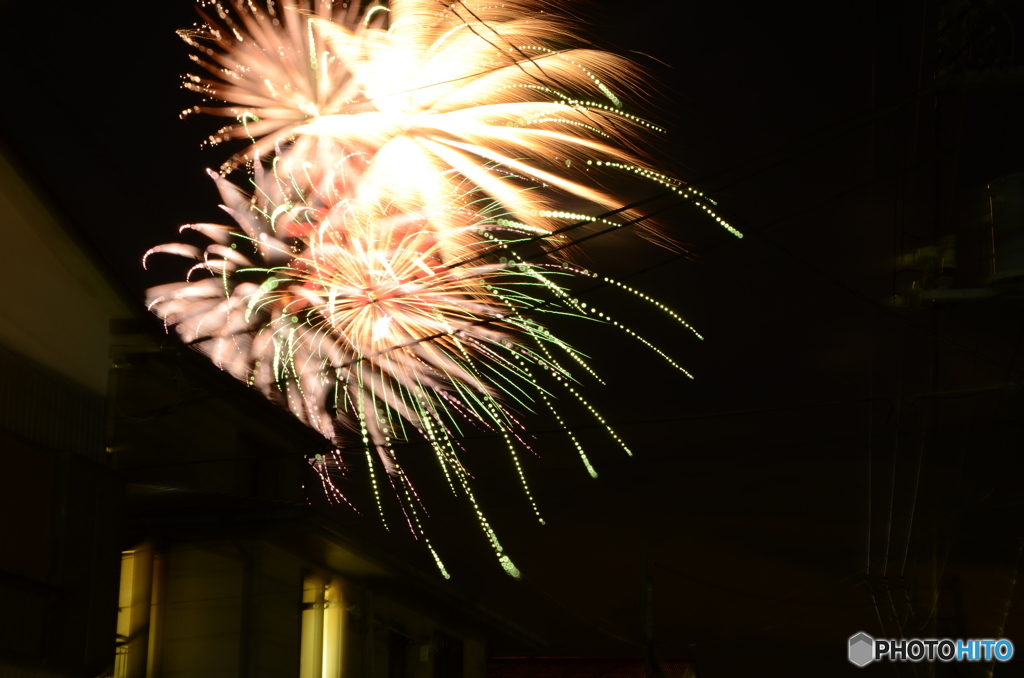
x=234 y=608
x=61 y=506
x=227 y=607
x=59 y=306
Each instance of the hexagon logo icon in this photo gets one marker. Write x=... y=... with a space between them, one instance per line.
x=862 y=649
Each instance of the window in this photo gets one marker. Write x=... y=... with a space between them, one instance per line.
x=138 y=616
x=323 y=627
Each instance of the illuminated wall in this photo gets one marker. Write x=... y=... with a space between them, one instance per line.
x=248 y=608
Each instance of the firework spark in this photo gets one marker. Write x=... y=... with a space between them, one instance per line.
x=272 y=70
x=373 y=281
x=449 y=100
x=361 y=323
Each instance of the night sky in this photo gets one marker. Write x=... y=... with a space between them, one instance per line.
x=836 y=455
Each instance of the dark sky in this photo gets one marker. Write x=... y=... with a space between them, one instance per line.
x=838 y=458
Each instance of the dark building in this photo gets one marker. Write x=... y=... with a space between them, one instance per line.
x=155 y=521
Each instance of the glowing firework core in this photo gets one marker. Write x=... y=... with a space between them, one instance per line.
x=400 y=158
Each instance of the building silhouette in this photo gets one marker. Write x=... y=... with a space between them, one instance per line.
x=160 y=519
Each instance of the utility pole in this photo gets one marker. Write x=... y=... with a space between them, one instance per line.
x=652 y=667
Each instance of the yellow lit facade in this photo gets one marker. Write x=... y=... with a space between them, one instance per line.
x=245 y=607
x=323 y=628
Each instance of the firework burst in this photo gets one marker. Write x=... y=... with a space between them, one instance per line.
x=358 y=320
x=374 y=280
x=448 y=100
